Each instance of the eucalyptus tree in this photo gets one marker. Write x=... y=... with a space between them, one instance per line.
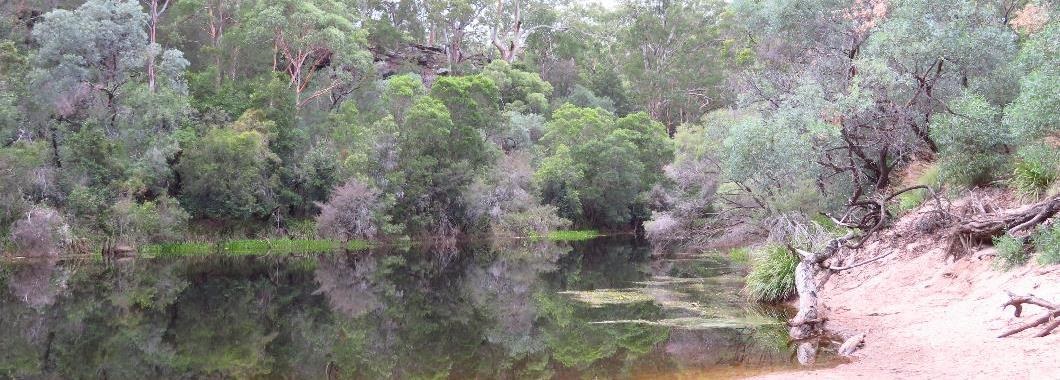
x=89 y=56
x=670 y=56
x=318 y=45
x=861 y=81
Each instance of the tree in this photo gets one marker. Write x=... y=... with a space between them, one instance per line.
x=511 y=42
x=229 y=175
x=598 y=167
x=90 y=54
x=471 y=100
x=672 y=58
x=155 y=9
x=453 y=19
x=437 y=160
x=317 y=44
x=1030 y=115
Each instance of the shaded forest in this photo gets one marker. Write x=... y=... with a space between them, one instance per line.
x=167 y=120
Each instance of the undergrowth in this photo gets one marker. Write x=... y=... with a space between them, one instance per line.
x=1010 y=253
x=772 y=277
x=1047 y=243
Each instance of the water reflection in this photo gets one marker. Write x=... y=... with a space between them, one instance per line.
x=513 y=310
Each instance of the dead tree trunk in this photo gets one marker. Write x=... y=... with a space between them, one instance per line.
x=982 y=228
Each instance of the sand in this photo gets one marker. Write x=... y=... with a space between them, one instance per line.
x=930 y=318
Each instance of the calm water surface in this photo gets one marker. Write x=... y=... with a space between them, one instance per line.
x=598 y=309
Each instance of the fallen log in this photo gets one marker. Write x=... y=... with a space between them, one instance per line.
x=1051 y=319
x=851 y=345
x=983 y=228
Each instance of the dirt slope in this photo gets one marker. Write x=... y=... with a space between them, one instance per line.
x=932 y=319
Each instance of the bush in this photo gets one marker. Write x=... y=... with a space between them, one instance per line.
x=970 y=142
x=1010 y=252
x=772 y=277
x=42 y=232
x=354 y=211
x=1036 y=168
x=536 y=220
x=158 y=221
x=1047 y=243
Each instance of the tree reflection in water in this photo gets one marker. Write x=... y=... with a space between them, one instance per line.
x=490 y=310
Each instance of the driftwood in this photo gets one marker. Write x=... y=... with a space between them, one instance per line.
x=984 y=227
x=1051 y=319
x=851 y=345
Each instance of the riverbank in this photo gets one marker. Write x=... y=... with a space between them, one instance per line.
x=926 y=317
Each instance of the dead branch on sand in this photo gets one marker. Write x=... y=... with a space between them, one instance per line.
x=984 y=227
x=1051 y=319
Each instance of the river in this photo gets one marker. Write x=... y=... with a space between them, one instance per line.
x=604 y=308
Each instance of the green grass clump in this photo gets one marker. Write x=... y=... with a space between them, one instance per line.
x=741 y=255
x=1036 y=168
x=772 y=278
x=1010 y=252
x=178 y=249
x=251 y=247
x=575 y=235
x=280 y=246
x=1047 y=243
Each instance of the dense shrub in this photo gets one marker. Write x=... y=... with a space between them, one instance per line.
x=1047 y=243
x=354 y=211
x=41 y=232
x=971 y=142
x=1010 y=252
x=229 y=175
x=161 y=220
x=772 y=277
x=1036 y=168
x=505 y=200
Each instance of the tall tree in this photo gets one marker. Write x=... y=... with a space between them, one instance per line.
x=317 y=44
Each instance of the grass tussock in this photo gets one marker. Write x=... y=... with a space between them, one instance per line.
x=772 y=277
x=1036 y=168
x=1011 y=253
x=929 y=175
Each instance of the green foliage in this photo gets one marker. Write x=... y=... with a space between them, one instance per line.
x=1032 y=114
x=471 y=100
x=913 y=199
x=161 y=220
x=18 y=183
x=1047 y=244
x=437 y=161
x=1010 y=252
x=229 y=175
x=598 y=166
x=772 y=277
x=306 y=27
x=519 y=90
x=773 y=157
x=971 y=142
x=1036 y=168
x=574 y=235
x=92 y=158
x=741 y=256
